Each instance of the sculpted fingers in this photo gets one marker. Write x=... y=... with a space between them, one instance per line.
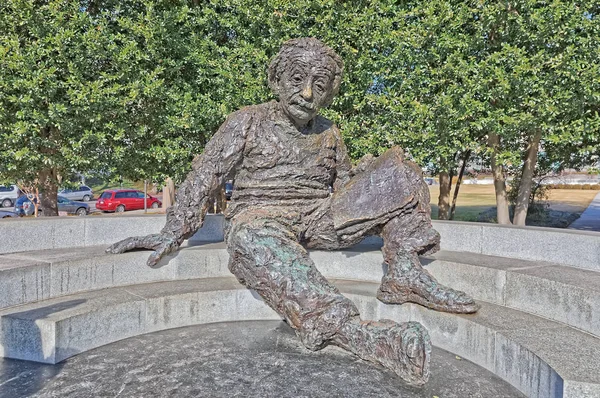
x=158 y=254
x=123 y=246
x=137 y=242
x=162 y=244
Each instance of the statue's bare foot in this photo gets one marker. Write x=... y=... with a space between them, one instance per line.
x=423 y=289
x=404 y=348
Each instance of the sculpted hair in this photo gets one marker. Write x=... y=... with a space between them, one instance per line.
x=279 y=63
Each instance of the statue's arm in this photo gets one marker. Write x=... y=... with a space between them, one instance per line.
x=218 y=162
x=343 y=165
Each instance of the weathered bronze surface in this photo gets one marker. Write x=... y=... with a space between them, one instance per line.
x=285 y=159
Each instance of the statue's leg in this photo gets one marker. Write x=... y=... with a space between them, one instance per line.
x=405 y=237
x=266 y=256
x=390 y=198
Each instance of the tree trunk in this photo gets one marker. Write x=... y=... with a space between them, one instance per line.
x=168 y=193
x=527 y=179
x=444 y=198
x=220 y=201
x=499 y=181
x=48 y=183
x=466 y=157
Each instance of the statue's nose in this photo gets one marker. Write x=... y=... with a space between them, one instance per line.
x=307 y=92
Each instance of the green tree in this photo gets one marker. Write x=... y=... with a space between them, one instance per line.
x=135 y=88
x=66 y=93
x=541 y=72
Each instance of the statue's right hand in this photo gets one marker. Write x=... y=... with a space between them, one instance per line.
x=162 y=244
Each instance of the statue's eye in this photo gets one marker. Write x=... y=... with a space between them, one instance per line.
x=297 y=79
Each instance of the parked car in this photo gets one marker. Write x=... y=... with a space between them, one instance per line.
x=82 y=193
x=73 y=207
x=8 y=195
x=119 y=200
x=25 y=207
x=7 y=214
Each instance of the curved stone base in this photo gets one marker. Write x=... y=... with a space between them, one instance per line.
x=540 y=357
x=246 y=359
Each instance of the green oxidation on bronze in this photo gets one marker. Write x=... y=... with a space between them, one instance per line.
x=295 y=189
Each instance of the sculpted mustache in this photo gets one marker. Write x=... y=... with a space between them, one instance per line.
x=303 y=105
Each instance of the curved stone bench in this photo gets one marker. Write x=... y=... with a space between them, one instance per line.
x=562 y=293
x=540 y=357
x=61 y=294
x=566 y=247
x=565 y=294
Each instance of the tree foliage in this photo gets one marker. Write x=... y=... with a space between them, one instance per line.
x=135 y=88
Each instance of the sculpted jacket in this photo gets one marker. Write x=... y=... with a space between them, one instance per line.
x=271 y=161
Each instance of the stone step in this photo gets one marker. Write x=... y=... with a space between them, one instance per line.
x=38 y=275
x=540 y=357
x=566 y=294
x=562 y=293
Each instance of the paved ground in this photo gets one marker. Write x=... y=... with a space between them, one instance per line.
x=241 y=359
x=590 y=218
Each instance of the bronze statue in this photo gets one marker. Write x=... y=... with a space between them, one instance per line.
x=285 y=160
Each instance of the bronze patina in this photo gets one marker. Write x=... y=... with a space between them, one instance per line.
x=286 y=160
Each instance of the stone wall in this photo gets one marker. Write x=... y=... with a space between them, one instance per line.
x=573 y=248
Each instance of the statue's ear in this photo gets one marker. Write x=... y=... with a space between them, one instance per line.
x=273 y=79
x=335 y=89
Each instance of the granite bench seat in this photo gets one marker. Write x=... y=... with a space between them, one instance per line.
x=566 y=294
x=540 y=357
x=562 y=293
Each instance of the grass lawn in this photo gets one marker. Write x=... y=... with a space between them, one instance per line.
x=473 y=199
x=99 y=188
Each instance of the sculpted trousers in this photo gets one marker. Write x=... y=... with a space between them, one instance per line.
x=267 y=245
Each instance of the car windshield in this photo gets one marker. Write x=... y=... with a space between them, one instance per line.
x=106 y=195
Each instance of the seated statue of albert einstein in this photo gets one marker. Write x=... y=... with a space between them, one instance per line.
x=285 y=160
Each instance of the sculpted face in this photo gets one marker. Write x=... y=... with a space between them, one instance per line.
x=305 y=86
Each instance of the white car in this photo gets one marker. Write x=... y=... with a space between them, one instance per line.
x=82 y=193
x=8 y=195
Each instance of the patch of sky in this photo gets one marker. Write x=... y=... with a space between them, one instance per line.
x=377 y=86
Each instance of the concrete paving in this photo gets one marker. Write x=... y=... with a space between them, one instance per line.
x=590 y=218
x=242 y=359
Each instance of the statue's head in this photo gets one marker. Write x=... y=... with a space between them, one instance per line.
x=306 y=76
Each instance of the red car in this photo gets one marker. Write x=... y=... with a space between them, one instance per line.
x=120 y=200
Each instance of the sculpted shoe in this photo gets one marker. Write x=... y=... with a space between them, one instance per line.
x=421 y=288
x=404 y=348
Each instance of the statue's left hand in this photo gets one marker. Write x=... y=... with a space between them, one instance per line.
x=162 y=244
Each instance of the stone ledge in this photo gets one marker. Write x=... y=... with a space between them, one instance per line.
x=567 y=247
x=65 y=232
x=540 y=357
x=561 y=293
x=58 y=272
